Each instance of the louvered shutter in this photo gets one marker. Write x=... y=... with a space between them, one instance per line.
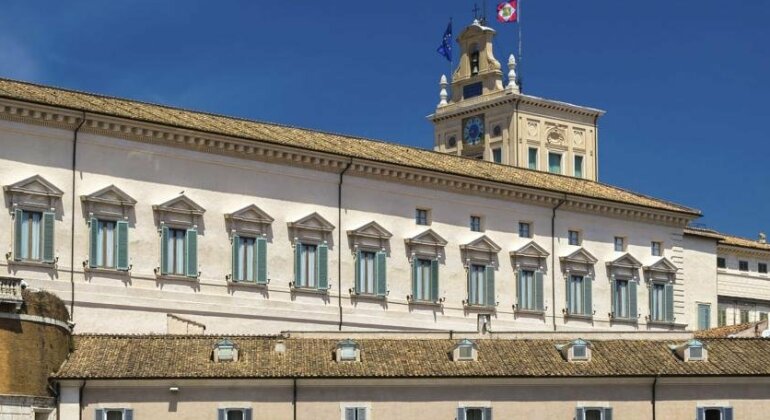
x=607 y=414
x=415 y=267
x=727 y=413
x=587 y=298
x=323 y=268
x=93 y=234
x=632 y=309
x=489 y=278
x=260 y=248
x=191 y=252
x=357 y=277
x=246 y=414
x=128 y=414
x=18 y=222
x=99 y=414
x=520 y=289
x=570 y=297
x=669 y=302
x=297 y=264
x=382 y=274
x=236 y=258
x=471 y=290
x=539 y=290
x=221 y=414
x=360 y=413
x=461 y=413
x=700 y=413
x=614 y=304
x=48 y=235
x=164 y=250
x=350 y=413
x=122 y=245
x=434 y=280
x=580 y=413
x=487 y=413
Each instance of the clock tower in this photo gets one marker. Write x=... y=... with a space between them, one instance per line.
x=483 y=118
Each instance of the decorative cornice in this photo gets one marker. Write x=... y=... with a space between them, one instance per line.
x=273 y=153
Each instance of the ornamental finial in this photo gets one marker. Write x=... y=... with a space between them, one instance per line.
x=443 y=95
x=512 y=85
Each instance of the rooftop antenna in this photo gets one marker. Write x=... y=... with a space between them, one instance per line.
x=484 y=12
x=475 y=11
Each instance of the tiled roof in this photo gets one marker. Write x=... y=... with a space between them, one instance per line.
x=730 y=240
x=342 y=145
x=725 y=331
x=164 y=356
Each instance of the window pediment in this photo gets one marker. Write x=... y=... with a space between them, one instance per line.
x=663 y=265
x=370 y=235
x=250 y=219
x=531 y=250
x=110 y=202
x=34 y=192
x=625 y=261
x=311 y=227
x=481 y=249
x=581 y=256
x=427 y=243
x=181 y=211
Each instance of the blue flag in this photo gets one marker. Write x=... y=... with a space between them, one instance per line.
x=445 y=48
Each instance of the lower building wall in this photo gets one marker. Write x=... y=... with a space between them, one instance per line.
x=629 y=398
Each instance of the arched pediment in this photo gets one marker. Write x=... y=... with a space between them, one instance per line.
x=581 y=256
x=531 y=250
x=625 y=261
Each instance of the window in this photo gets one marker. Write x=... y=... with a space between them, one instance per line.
x=497 y=155
x=579 y=351
x=525 y=230
x=762 y=268
x=476 y=223
x=310 y=269
x=355 y=413
x=743 y=265
x=481 y=285
x=714 y=413
x=661 y=302
x=721 y=262
x=109 y=244
x=225 y=351
x=347 y=351
x=657 y=249
x=33 y=236
x=497 y=131
x=625 y=299
x=234 y=414
x=578 y=166
x=421 y=217
x=620 y=244
x=554 y=163
x=452 y=142
x=704 y=316
x=722 y=317
x=179 y=256
x=466 y=351
x=744 y=316
x=249 y=259
x=532 y=158
x=593 y=413
x=763 y=316
x=474 y=63
x=579 y=295
x=370 y=273
x=530 y=290
x=574 y=237
x=474 y=413
x=425 y=280
x=114 y=414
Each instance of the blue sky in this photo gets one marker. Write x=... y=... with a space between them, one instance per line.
x=685 y=83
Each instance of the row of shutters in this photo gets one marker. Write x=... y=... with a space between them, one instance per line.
x=47 y=228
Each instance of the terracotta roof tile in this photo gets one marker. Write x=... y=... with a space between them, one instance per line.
x=116 y=357
x=726 y=239
x=342 y=145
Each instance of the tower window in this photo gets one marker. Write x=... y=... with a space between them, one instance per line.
x=721 y=262
x=532 y=164
x=497 y=155
x=578 y=166
x=474 y=63
x=554 y=163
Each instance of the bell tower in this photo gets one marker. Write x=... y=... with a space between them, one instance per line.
x=482 y=117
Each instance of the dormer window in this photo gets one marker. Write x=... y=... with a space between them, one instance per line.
x=348 y=351
x=576 y=351
x=691 y=351
x=465 y=350
x=225 y=351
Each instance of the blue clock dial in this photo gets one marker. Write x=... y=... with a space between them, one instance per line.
x=473 y=132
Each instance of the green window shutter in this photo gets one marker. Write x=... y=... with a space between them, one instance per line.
x=539 y=290
x=99 y=415
x=587 y=301
x=261 y=259
x=727 y=413
x=350 y=413
x=93 y=251
x=632 y=309
x=121 y=243
x=323 y=267
x=48 y=235
x=489 y=279
x=163 y=250
x=128 y=414
x=520 y=288
x=191 y=252
x=415 y=267
x=382 y=274
x=360 y=413
x=434 y=280
x=471 y=291
x=246 y=414
x=297 y=263
x=236 y=258
x=357 y=276
x=18 y=215
x=568 y=293
x=614 y=304
x=700 y=413
x=607 y=414
x=487 y=413
x=580 y=413
x=669 y=302
x=221 y=414
x=461 y=413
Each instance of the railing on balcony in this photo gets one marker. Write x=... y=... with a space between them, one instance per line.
x=10 y=290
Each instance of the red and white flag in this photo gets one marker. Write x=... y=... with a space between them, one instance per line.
x=508 y=12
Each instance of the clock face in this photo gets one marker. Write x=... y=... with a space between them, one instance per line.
x=473 y=130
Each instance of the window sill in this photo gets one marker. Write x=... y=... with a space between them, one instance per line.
x=175 y=277
x=619 y=320
x=308 y=290
x=479 y=307
x=662 y=323
x=539 y=312
x=102 y=270
x=425 y=303
x=368 y=296
x=247 y=284
x=28 y=263
x=583 y=317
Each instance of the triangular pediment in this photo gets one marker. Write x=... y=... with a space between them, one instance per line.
x=532 y=249
x=34 y=185
x=371 y=230
x=483 y=244
x=428 y=237
x=313 y=221
x=110 y=195
x=662 y=265
x=251 y=213
x=625 y=260
x=580 y=256
x=181 y=204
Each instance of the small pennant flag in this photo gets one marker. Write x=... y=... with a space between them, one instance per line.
x=507 y=11
x=445 y=48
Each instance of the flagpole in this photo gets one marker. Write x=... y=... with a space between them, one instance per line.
x=518 y=6
x=451 y=59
